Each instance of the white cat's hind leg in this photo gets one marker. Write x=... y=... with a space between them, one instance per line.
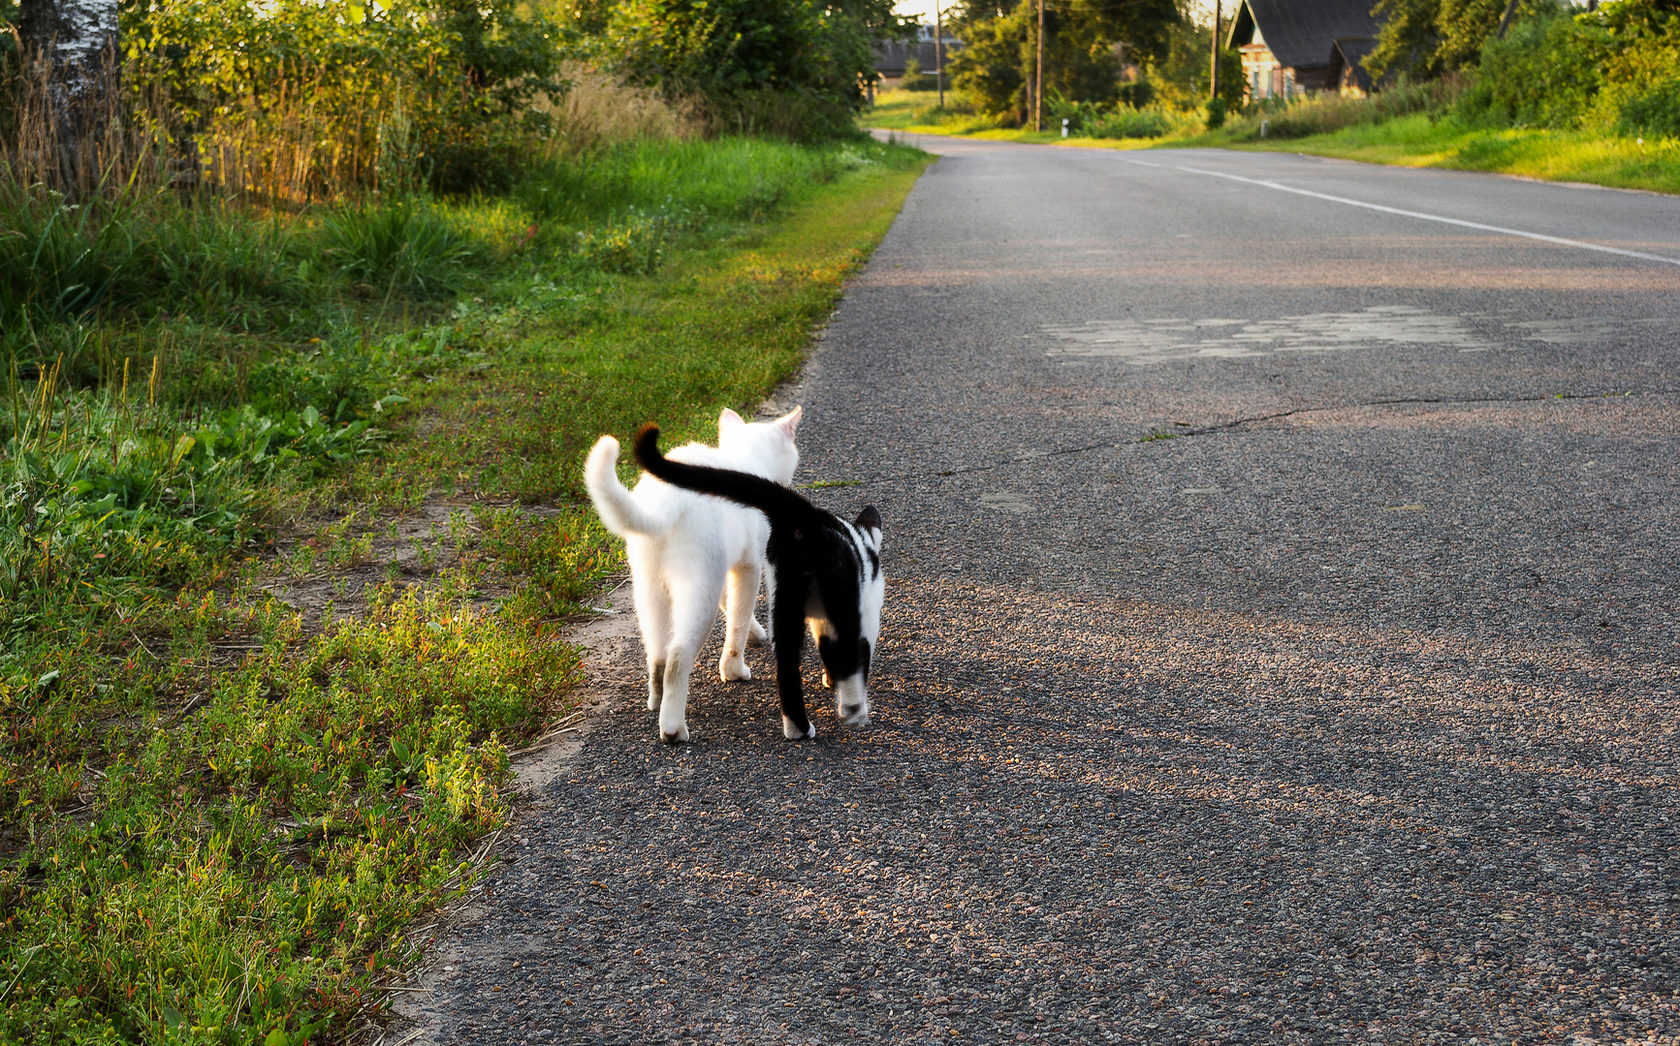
x=653 y=615
x=740 y=593
x=692 y=614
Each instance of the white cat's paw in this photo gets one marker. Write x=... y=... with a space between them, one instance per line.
x=793 y=733
x=756 y=636
x=733 y=669
x=674 y=737
x=854 y=715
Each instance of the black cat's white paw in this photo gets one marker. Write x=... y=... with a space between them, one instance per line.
x=793 y=733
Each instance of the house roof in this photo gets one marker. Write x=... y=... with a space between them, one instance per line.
x=1349 y=53
x=1300 y=33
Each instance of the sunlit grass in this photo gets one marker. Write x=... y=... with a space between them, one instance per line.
x=918 y=112
x=1417 y=139
x=218 y=813
x=1577 y=156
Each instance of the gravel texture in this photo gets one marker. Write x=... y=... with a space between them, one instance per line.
x=1348 y=714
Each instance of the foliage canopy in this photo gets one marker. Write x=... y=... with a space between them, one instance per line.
x=1087 y=45
x=1615 y=70
x=794 y=66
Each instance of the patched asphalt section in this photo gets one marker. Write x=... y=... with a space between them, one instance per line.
x=1252 y=685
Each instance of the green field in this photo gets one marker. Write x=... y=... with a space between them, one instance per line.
x=293 y=523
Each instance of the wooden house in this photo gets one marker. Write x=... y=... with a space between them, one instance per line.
x=893 y=56
x=1293 y=46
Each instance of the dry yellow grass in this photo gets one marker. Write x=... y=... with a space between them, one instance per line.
x=600 y=109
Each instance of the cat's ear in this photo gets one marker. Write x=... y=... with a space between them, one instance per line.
x=729 y=421
x=789 y=422
x=869 y=519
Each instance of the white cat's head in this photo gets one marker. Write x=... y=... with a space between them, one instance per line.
x=768 y=445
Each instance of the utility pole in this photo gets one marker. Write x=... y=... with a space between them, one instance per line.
x=1038 y=78
x=1213 y=72
x=939 y=54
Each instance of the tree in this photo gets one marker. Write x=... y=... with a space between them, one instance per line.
x=68 y=87
x=1082 y=43
x=1425 y=38
x=740 y=57
x=1180 y=78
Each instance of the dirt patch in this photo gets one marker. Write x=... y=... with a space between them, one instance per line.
x=613 y=672
x=612 y=669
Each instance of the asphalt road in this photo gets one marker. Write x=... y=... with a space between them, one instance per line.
x=1281 y=643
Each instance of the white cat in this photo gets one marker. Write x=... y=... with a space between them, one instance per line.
x=825 y=573
x=683 y=547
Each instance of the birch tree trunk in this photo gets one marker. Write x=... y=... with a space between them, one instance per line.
x=72 y=82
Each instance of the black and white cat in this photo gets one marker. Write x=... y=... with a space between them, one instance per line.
x=687 y=550
x=823 y=573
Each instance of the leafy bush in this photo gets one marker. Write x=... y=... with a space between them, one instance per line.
x=1216 y=110
x=793 y=68
x=1612 y=69
x=1651 y=111
x=1544 y=73
x=1093 y=120
x=1131 y=123
x=1641 y=93
x=298 y=100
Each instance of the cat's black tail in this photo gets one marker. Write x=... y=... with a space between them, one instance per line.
x=782 y=505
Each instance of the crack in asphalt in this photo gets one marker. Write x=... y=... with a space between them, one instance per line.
x=1159 y=436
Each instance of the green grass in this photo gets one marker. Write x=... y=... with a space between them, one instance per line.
x=916 y=112
x=1570 y=156
x=218 y=813
x=1384 y=129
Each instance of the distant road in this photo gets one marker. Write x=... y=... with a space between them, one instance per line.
x=1283 y=642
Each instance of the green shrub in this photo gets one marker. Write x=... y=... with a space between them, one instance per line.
x=298 y=99
x=916 y=78
x=1544 y=73
x=1654 y=111
x=1641 y=94
x=1612 y=69
x=794 y=68
x=1130 y=123
x=1215 y=113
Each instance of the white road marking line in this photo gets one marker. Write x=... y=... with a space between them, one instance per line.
x=1412 y=214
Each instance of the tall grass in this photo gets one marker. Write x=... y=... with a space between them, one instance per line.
x=600 y=110
x=216 y=814
x=1327 y=113
x=730 y=178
